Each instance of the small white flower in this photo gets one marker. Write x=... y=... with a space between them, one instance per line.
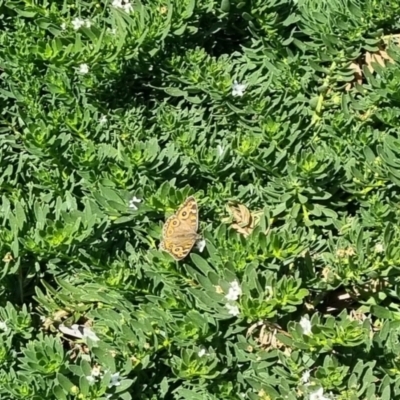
x=202 y=353
x=305 y=325
x=127 y=7
x=318 y=395
x=83 y=68
x=89 y=334
x=115 y=380
x=123 y=5
x=91 y=379
x=235 y=286
x=268 y=292
x=305 y=378
x=96 y=371
x=88 y=23
x=133 y=201
x=63 y=26
x=231 y=296
x=103 y=119
x=77 y=23
x=232 y=310
x=113 y=31
x=200 y=245
x=238 y=89
x=220 y=150
x=3 y=326
x=234 y=291
x=379 y=248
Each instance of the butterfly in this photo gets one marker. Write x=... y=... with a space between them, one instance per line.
x=179 y=232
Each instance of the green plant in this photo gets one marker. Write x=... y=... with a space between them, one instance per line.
x=112 y=113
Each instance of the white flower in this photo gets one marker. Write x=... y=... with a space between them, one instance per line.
x=220 y=150
x=83 y=68
x=91 y=379
x=77 y=23
x=115 y=380
x=3 y=326
x=200 y=245
x=269 y=292
x=232 y=310
x=103 y=119
x=89 y=334
x=96 y=371
x=88 y=23
x=235 y=285
x=305 y=378
x=113 y=31
x=133 y=201
x=63 y=26
x=305 y=325
x=379 y=248
x=127 y=7
x=238 y=89
x=232 y=295
x=123 y=4
x=318 y=395
x=202 y=353
x=234 y=291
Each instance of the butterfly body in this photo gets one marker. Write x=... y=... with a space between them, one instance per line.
x=180 y=230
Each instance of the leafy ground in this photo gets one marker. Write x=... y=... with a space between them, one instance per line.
x=281 y=117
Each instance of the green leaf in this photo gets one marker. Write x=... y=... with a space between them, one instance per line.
x=59 y=393
x=201 y=264
x=189 y=9
x=64 y=382
x=225 y=6
x=164 y=387
x=175 y=92
x=384 y=313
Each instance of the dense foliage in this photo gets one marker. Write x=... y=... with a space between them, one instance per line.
x=281 y=117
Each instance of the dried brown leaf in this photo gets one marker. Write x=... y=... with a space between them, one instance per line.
x=242 y=219
x=386 y=56
x=378 y=57
x=58 y=316
x=357 y=72
x=266 y=337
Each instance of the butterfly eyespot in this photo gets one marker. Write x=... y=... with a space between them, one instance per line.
x=180 y=230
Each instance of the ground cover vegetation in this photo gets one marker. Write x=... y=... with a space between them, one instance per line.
x=280 y=118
